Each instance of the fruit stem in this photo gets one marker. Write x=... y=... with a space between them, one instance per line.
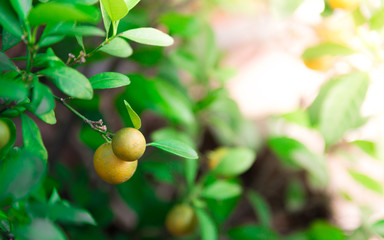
x=98 y=126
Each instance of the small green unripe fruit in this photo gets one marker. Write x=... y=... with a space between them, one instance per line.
x=181 y=220
x=5 y=134
x=128 y=144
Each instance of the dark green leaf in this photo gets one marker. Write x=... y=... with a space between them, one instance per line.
x=221 y=190
x=260 y=208
x=9 y=40
x=150 y=36
x=235 y=162
x=367 y=181
x=51 y=33
x=117 y=47
x=32 y=138
x=12 y=131
x=70 y=81
x=20 y=174
x=326 y=49
x=42 y=99
x=321 y=230
x=252 y=232
x=40 y=229
x=109 y=80
x=12 y=89
x=207 y=226
x=135 y=119
x=5 y=63
x=55 y=12
x=116 y=9
x=9 y=20
x=22 y=7
x=175 y=147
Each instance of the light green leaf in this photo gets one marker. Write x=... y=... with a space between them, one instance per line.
x=335 y=110
x=378 y=227
x=32 y=138
x=135 y=119
x=48 y=117
x=260 y=208
x=221 y=190
x=131 y=3
x=106 y=19
x=70 y=81
x=191 y=168
x=326 y=49
x=150 y=36
x=367 y=146
x=116 y=9
x=55 y=12
x=42 y=100
x=9 y=20
x=175 y=147
x=377 y=20
x=22 y=7
x=235 y=162
x=5 y=63
x=109 y=80
x=207 y=226
x=367 y=181
x=283 y=8
x=117 y=47
x=252 y=232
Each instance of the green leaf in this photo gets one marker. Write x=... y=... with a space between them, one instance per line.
x=12 y=129
x=180 y=24
x=9 y=20
x=135 y=119
x=32 y=138
x=367 y=181
x=55 y=12
x=367 y=146
x=235 y=162
x=48 y=117
x=5 y=63
x=117 y=47
x=207 y=226
x=20 y=174
x=22 y=7
x=378 y=227
x=260 y=208
x=116 y=9
x=377 y=20
x=221 y=190
x=70 y=81
x=131 y=3
x=90 y=137
x=106 y=19
x=13 y=90
x=191 y=169
x=42 y=100
x=175 y=147
x=335 y=111
x=81 y=31
x=326 y=49
x=48 y=59
x=8 y=40
x=150 y=36
x=283 y=8
x=109 y=80
x=251 y=232
x=321 y=230
x=40 y=229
